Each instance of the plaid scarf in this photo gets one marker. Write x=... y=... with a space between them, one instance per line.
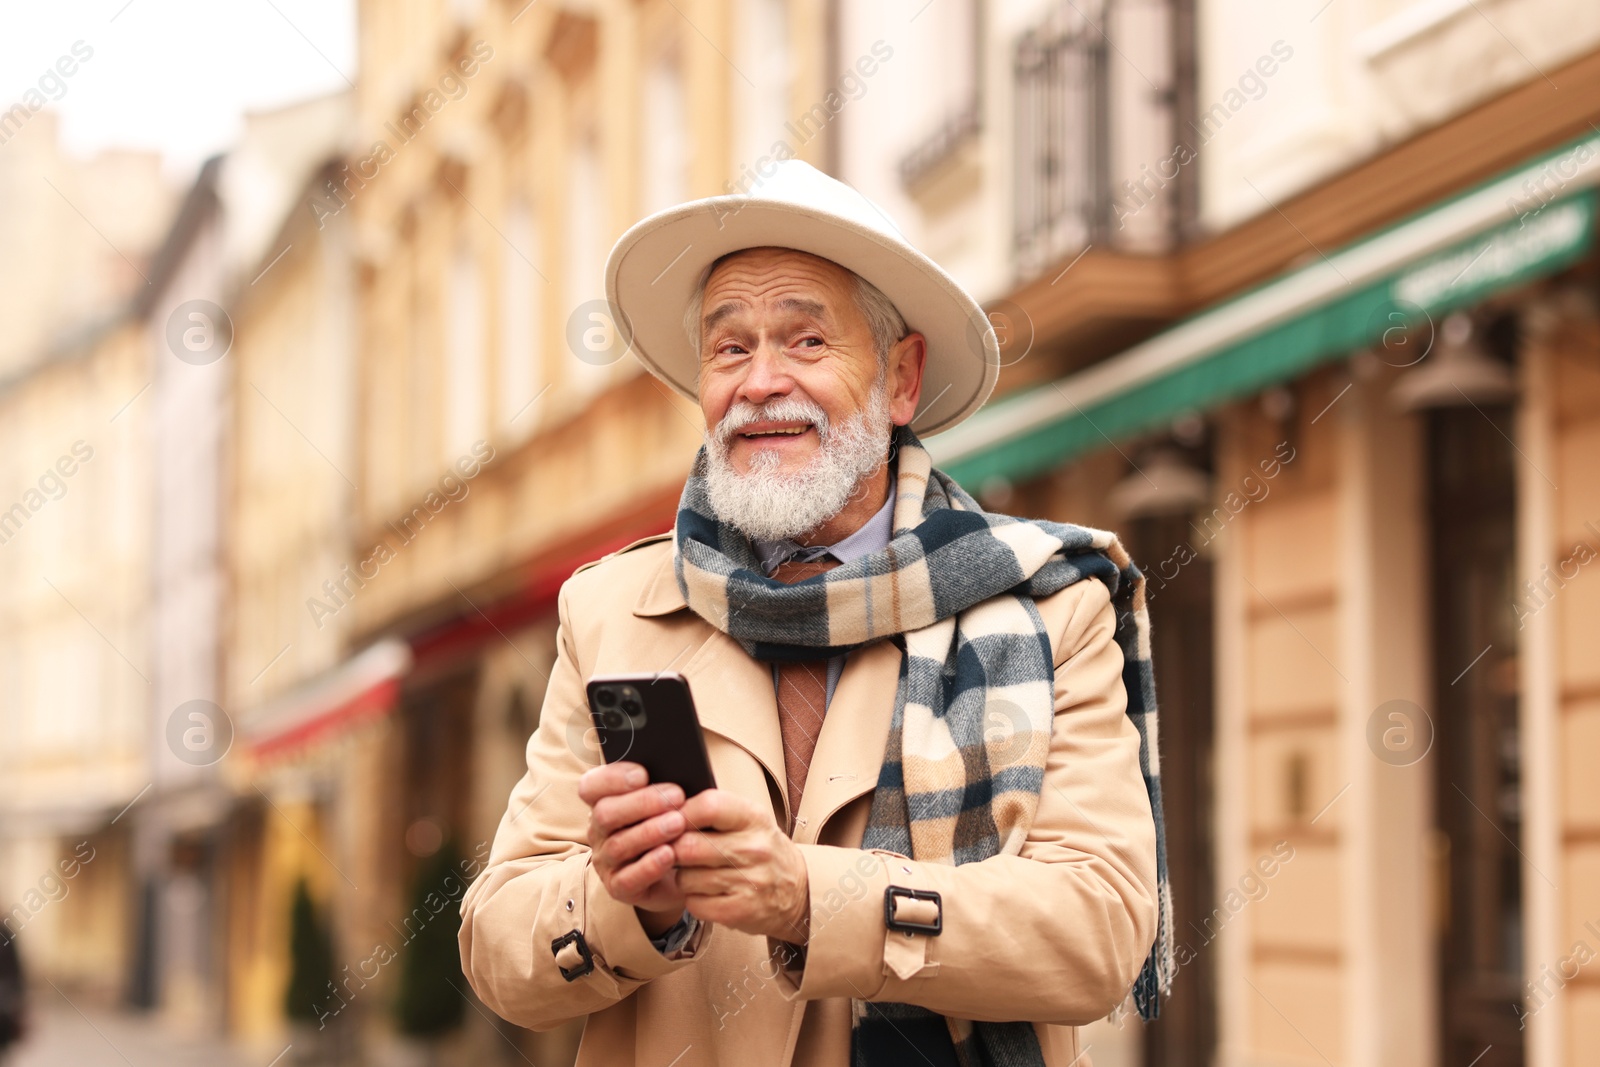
x=958 y=585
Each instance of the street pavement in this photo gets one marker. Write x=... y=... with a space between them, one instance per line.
x=63 y=1036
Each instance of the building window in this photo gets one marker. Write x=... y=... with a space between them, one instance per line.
x=1472 y=502
x=521 y=369
x=65 y=690
x=947 y=45
x=464 y=371
x=1101 y=90
x=1063 y=139
x=665 y=116
x=760 y=113
x=585 y=261
x=417 y=435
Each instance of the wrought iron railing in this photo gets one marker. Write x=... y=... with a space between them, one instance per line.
x=1062 y=198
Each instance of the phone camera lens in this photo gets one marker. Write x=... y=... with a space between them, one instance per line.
x=631 y=707
x=612 y=719
x=605 y=697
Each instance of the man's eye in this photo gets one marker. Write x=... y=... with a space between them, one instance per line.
x=811 y=341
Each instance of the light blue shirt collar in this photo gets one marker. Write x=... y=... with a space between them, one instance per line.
x=872 y=536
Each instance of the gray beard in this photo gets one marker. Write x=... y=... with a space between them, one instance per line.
x=767 y=504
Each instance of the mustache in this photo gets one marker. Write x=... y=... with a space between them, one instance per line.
x=784 y=409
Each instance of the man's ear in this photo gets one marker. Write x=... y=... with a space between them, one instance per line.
x=906 y=360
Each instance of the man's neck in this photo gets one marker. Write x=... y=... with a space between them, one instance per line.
x=870 y=495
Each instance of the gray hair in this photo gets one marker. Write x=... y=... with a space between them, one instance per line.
x=884 y=320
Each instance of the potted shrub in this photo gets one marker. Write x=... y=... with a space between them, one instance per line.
x=308 y=1000
x=432 y=1002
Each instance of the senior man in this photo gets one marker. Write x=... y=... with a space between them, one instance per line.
x=936 y=832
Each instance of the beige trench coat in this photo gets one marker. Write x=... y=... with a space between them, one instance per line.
x=1054 y=935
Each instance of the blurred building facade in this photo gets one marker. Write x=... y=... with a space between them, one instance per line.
x=78 y=235
x=76 y=534
x=1302 y=299
x=493 y=437
x=1309 y=314
x=76 y=544
x=288 y=516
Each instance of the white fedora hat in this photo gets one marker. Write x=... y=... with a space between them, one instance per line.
x=654 y=267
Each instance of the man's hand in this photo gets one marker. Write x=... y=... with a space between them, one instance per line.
x=632 y=826
x=735 y=867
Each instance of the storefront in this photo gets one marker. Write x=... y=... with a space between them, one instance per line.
x=1364 y=492
x=360 y=781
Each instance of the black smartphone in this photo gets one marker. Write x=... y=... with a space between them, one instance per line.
x=650 y=719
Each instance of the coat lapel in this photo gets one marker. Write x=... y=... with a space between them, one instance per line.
x=855 y=729
x=734 y=697
x=733 y=693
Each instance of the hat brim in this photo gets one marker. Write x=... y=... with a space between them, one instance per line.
x=653 y=268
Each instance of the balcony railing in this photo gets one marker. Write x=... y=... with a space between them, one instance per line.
x=1063 y=126
x=1089 y=111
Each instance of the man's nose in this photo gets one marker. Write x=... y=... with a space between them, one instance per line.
x=766 y=375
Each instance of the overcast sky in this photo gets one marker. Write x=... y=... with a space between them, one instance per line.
x=173 y=75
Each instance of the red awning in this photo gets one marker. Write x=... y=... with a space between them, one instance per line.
x=363 y=687
x=367 y=686
x=476 y=624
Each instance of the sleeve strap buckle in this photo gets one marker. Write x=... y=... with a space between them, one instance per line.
x=913 y=910
x=573 y=958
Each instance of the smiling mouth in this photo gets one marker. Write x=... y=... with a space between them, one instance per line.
x=778 y=432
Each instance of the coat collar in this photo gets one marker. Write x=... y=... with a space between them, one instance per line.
x=660 y=594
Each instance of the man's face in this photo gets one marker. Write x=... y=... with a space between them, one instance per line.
x=778 y=324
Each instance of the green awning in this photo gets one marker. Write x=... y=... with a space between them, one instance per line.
x=1531 y=222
